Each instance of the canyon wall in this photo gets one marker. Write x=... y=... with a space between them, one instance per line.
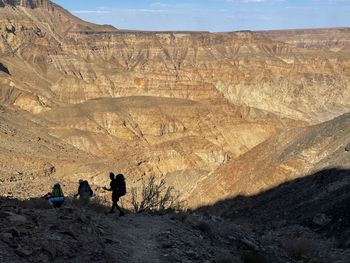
x=191 y=107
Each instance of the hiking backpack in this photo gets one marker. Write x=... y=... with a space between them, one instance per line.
x=85 y=188
x=57 y=191
x=121 y=186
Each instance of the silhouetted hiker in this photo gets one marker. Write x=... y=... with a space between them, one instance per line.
x=118 y=188
x=84 y=191
x=56 y=197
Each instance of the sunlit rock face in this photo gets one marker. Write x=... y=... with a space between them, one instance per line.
x=71 y=61
x=188 y=107
x=335 y=39
x=290 y=155
x=25 y=3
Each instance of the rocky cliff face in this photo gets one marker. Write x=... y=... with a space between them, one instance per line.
x=71 y=61
x=25 y=3
x=335 y=39
x=189 y=107
x=290 y=155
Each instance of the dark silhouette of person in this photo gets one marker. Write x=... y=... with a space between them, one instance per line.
x=117 y=192
x=84 y=191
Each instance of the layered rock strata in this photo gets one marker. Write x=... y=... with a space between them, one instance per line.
x=195 y=108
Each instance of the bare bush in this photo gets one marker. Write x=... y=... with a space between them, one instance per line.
x=155 y=196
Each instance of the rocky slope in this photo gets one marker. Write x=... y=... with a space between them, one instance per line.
x=31 y=158
x=32 y=232
x=190 y=107
x=179 y=140
x=290 y=155
x=300 y=214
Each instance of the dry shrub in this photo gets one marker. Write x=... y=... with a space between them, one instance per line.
x=301 y=248
x=154 y=197
x=204 y=227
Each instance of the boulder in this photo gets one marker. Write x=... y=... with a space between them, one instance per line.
x=321 y=219
x=24 y=253
x=347 y=147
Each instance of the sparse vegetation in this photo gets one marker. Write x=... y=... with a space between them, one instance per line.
x=155 y=196
x=204 y=227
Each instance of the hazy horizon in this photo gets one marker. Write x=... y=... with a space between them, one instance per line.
x=212 y=15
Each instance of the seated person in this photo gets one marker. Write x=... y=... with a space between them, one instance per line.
x=56 y=197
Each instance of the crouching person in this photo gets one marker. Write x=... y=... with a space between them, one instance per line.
x=56 y=197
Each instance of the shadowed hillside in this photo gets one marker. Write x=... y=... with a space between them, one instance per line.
x=31 y=231
x=306 y=220
x=316 y=206
x=296 y=202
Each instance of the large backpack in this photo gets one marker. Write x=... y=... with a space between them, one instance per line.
x=121 y=186
x=85 y=189
x=57 y=191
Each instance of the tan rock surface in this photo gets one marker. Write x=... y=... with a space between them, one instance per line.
x=191 y=107
x=291 y=155
x=70 y=61
x=333 y=39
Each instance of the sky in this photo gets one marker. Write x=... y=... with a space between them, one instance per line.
x=212 y=15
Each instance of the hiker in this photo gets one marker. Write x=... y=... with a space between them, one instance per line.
x=84 y=191
x=56 y=196
x=118 y=188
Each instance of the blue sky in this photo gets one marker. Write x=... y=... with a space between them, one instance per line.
x=212 y=15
